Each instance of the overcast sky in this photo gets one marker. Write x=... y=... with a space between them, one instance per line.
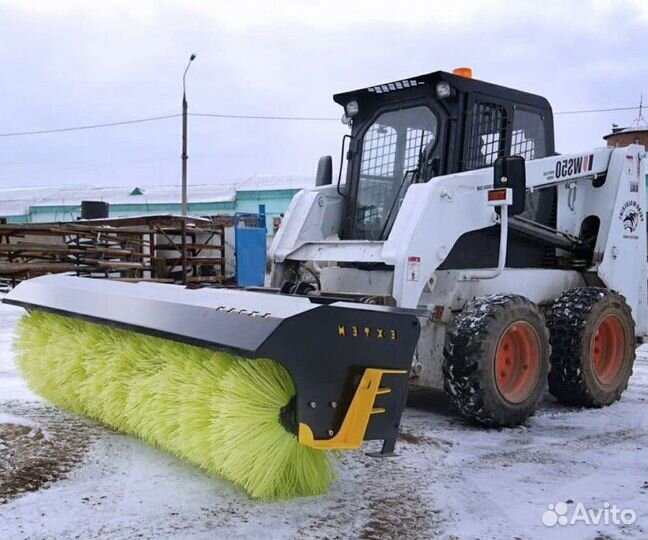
x=67 y=63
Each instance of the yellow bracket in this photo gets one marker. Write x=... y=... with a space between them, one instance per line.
x=354 y=425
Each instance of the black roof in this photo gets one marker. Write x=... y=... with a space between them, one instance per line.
x=390 y=91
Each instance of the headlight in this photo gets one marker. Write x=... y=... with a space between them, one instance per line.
x=443 y=90
x=351 y=108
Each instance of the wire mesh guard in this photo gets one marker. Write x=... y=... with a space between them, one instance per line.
x=390 y=148
x=487 y=135
x=527 y=136
x=379 y=151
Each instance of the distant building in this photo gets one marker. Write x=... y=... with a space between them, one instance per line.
x=47 y=204
x=273 y=191
x=625 y=136
x=637 y=133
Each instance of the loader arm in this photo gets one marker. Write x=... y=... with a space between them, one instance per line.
x=435 y=215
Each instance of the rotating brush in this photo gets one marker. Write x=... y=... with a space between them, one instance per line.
x=214 y=409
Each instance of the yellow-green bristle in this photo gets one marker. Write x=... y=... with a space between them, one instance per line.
x=214 y=409
x=247 y=406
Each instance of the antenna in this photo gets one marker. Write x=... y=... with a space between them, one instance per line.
x=640 y=121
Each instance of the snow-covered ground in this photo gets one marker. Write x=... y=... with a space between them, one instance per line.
x=64 y=477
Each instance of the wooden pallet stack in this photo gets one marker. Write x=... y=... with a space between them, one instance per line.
x=171 y=249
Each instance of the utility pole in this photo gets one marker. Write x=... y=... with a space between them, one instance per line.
x=184 y=137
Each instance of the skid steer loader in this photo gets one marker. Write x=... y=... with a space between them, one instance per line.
x=461 y=253
x=527 y=264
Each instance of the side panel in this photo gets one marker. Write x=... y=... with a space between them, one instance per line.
x=353 y=280
x=313 y=215
x=623 y=243
x=326 y=351
x=432 y=218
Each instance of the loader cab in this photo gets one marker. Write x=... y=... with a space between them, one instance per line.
x=441 y=123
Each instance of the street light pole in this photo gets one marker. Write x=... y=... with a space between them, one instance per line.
x=184 y=137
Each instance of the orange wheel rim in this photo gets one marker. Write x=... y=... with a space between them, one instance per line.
x=608 y=349
x=517 y=362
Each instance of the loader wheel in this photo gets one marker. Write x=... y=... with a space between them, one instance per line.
x=593 y=346
x=497 y=359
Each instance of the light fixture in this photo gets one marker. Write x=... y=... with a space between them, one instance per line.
x=443 y=90
x=351 y=108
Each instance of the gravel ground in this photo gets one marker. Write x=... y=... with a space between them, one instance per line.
x=63 y=477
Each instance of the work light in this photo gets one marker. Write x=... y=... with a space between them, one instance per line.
x=443 y=90
x=351 y=108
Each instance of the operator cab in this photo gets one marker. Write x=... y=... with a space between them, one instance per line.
x=441 y=123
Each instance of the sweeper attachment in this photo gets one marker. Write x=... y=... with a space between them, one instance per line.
x=248 y=385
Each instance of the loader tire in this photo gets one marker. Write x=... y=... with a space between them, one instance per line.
x=593 y=346
x=496 y=360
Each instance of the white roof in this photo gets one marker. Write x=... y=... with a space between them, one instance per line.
x=150 y=194
x=16 y=201
x=267 y=182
